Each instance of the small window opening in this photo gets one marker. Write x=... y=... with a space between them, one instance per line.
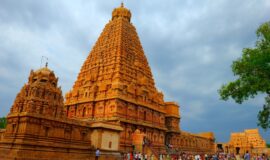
x=43 y=80
x=83 y=136
x=13 y=127
x=47 y=131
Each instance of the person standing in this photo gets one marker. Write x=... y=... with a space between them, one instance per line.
x=132 y=156
x=140 y=156
x=145 y=157
x=247 y=156
x=136 y=156
x=160 y=157
x=97 y=154
x=128 y=156
x=152 y=157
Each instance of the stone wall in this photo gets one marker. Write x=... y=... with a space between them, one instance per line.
x=188 y=142
x=38 y=126
x=28 y=136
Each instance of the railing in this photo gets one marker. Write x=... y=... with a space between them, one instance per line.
x=154 y=152
x=148 y=143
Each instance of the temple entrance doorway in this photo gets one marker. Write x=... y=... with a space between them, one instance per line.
x=220 y=147
x=237 y=150
x=168 y=139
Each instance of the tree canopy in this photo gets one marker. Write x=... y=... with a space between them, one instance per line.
x=3 y=122
x=253 y=75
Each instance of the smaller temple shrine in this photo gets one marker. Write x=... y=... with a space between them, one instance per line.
x=249 y=140
x=38 y=127
x=241 y=142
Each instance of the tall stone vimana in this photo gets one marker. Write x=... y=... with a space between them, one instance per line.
x=113 y=105
x=115 y=83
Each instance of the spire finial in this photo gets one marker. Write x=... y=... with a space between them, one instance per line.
x=46 y=61
x=121 y=12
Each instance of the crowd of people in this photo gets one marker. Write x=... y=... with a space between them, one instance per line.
x=137 y=156
x=191 y=156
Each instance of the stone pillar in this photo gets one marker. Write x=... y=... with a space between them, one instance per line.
x=137 y=140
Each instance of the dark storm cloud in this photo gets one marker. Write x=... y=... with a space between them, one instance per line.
x=190 y=46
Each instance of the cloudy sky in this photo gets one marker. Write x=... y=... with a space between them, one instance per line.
x=189 y=44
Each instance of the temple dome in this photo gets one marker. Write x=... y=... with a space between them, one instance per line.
x=121 y=12
x=44 y=71
x=43 y=75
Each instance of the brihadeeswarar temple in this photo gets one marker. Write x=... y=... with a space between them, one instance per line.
x=113 y=106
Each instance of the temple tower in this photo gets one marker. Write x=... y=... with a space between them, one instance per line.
x=40 y=96
x=115 y=83
x=38 y=128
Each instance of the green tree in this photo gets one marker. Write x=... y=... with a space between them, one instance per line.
x=253 y=75
x=3 y=122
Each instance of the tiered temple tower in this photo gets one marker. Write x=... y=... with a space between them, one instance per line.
x=38 y=128
x=40 y=96
x=115 y=83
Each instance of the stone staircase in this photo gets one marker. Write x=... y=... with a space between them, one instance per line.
x=149 y=149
